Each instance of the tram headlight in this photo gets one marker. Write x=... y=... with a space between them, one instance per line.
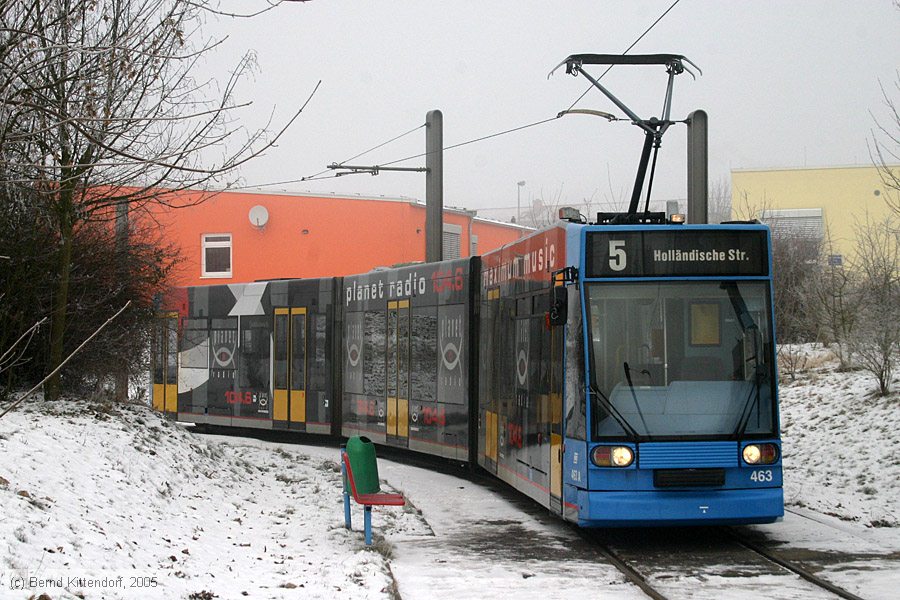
x=612 y=456
x=760 y=454
x=622 y=456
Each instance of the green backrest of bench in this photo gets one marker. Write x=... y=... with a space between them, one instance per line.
x=361 y=452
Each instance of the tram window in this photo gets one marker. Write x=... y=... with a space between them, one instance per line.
x=281 y=351
x=675 y=358
x=159 y=345
x=488 y=339
x=298 y=352
x=576 y=419
x=391 y=353
x=374 y=333
x=318 y=369
x=195 y=352
x=505 y=350
x=423 y=364
x=223 y=344
x=403 y=355
x=352 y=349
x=540 y=336
x=523 y=307
x=253 y=364
x=172 y=351
x=705 y=324
x=540 y=302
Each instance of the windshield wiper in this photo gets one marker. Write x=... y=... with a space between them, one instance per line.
x=752 y=398
x=615 y=414
x=744 y=420
x=634 y=395
x=748 y=327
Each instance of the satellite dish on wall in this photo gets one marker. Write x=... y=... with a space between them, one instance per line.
x=259 y=216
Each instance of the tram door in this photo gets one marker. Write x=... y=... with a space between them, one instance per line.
x=556 y=417
x=398 y=345
x=290 y=365
x=165 y=363
x=491 y=346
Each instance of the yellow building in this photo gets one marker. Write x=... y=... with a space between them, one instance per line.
x=824 y=203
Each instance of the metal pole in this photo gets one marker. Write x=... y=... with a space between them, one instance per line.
x=697 y=166
x=519 y=202
x=434 y=186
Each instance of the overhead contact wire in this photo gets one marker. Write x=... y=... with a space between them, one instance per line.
x=383 y=144
x=486 y=137
x=318 y=175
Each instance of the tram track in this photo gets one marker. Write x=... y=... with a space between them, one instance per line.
x=794 y=567
x=643 y=572
x=631 y=574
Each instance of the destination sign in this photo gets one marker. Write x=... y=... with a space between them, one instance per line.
x=676 y=252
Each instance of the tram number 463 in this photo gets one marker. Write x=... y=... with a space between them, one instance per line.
x=762 y=476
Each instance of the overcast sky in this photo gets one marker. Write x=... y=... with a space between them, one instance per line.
x=785 y=83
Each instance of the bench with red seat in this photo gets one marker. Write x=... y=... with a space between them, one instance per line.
x=369 y=493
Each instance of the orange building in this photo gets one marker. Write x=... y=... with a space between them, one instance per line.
x=237 y=237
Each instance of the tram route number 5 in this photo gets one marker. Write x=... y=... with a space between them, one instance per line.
x=617 y=257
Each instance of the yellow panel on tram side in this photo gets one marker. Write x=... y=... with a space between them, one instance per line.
x=403 y=418
x=298 y=406
x=171 y=397
x=555 y=464
x=280 y=406
x=159 y=396
x=392 y=416
x=490 y=435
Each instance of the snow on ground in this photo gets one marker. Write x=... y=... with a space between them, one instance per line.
x=91 y=493
x=97 y=495
x=841 y=443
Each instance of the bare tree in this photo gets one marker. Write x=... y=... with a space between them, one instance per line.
x=876 y=339
x=884 y=147
x=796 y=263
x=544 y=211
x=99 y=107
x=719 y=201
x=835 y=296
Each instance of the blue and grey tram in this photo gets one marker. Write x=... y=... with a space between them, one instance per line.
x=620 y=375
x=673 y=416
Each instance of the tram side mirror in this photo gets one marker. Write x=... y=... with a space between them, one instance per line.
x=559 y=302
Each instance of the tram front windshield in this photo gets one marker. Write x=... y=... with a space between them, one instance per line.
x=680 y=360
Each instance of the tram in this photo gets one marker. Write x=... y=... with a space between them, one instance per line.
x=617 y=374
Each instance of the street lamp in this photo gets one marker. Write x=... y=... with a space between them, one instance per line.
x=520 y=185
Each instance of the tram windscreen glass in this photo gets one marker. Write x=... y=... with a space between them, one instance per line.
x=681 y=360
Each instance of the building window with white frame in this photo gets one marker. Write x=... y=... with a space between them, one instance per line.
x=216 y=255
x=451 y=238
